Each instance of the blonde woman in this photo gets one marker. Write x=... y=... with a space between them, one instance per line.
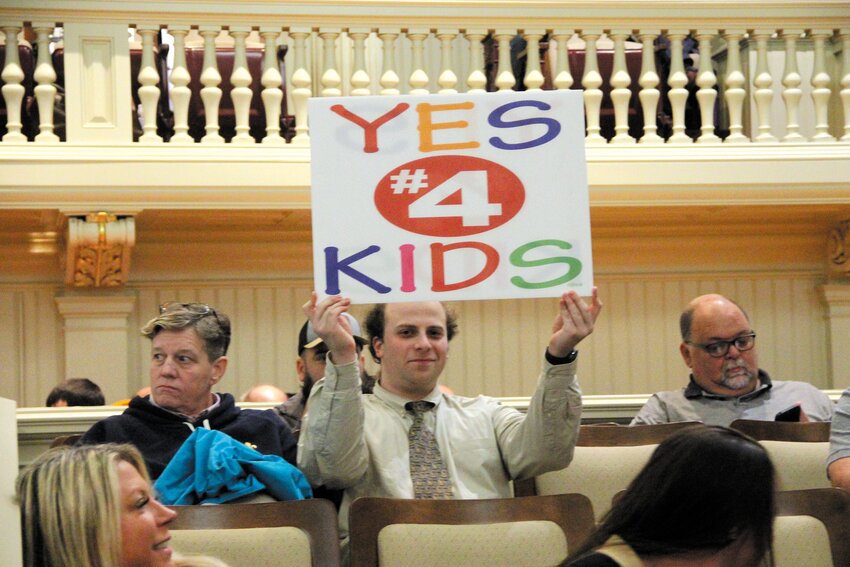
x=92 y=505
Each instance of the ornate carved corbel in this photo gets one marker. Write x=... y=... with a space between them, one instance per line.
x=98 y=250
x=838 y=249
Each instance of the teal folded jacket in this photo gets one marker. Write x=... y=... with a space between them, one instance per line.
x=212 y=467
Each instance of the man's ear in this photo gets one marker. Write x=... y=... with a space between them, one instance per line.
x=686 y=354
x=219 y=367
x=378 y=347
x=300 y=369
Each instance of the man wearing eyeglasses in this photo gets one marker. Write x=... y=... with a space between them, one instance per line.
x=719 y=346
x=188 y=357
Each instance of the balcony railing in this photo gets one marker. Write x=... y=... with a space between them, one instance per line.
x=662 y=72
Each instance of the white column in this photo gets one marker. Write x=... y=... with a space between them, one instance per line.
x=148 y=81
x=763 y=87
x=447 y=79
x=180 y=93
x=389 y=76
x=331 y=79
x=10 y=513
x=734 y=93
x=45 y=92
x=271 y=80
x=301 y=84
x=836 y=297
x=13 y=90
x=241 y=93
x=360 y=79
x=678 y=94
x=706 y=95
x=97 y=84
x=210 y=78
x=620 y=92
x=563 y=78
x=844 y=33
x=418 y=79
x=649 y=93
x=791 y=93
x=591 y=81
x=533 y=75
x=97 y=338
x=821 y=82
x=505 y=79
x=477 y=80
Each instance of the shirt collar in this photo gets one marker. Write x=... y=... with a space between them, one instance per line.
x=693 y=390
x=398 y=402
x=202 y=415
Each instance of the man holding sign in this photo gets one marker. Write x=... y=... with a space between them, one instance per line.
x=409 y=440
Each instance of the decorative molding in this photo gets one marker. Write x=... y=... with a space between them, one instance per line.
x=838 y=249
x=98 y=250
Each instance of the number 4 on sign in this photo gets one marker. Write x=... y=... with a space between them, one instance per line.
x=474 y=207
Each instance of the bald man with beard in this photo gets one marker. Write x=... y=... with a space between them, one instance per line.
x=719 y=346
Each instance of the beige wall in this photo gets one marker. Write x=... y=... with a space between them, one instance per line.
x=498 y=351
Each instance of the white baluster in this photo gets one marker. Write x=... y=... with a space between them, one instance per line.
x=678 y=94
x=620 y=93
x=563 y=78
x=271 y=80
x=845 y=81
x=477 y=80
x=389 y=77
x=734 y=92
x=45 y=92
x=180 y=93
x=447 y=79
x=533 y=75
x=13 y=90
x=649 y=93
x=241 y=93
x=331 y=79
x=211 y=93
x=706 y=95
x=148 y=79
x=820 y=87
x=418 y=79
x=505 y=79
x=763 y=83
x=591 y=81
x=791 y=93
x=301 y=85
x=360 y=79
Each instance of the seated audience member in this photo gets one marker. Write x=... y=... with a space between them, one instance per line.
x=409 y=440
x=264 y=393
x=310 y=367
x=706 y=497
x=141 y=392
x=838 y=462
x=719 y=346
x=75 y=392
x=92 y=506
x=188 y=357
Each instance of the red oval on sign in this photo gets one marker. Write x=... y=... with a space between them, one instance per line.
x=449 y=195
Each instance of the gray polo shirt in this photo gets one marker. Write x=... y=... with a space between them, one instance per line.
x=692 y=403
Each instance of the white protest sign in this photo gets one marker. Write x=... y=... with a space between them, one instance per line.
x=450 y=197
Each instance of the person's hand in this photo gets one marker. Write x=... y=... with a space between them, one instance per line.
x=332 y=327
x=573 y=323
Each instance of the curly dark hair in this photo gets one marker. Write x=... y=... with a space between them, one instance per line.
x=375 y=321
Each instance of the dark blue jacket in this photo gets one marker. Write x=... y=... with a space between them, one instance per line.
x=158 y=433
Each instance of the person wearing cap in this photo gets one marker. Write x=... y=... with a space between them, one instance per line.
x=367 y=445
x=310 y=366
x=188 y=357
